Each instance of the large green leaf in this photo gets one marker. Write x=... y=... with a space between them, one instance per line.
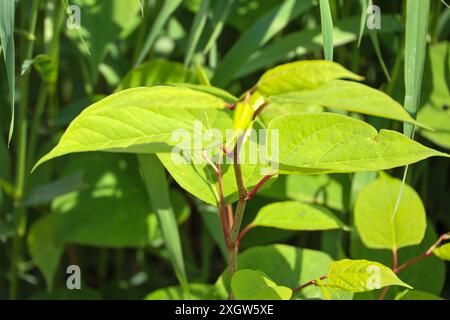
x=301 y=75
x=142 y=120
x=326 y=142
x=255 y=285
x=7 y=44
x=287 y=266
x=293 y=215
x=348 y=96
x=361 y=275
x=373 y=215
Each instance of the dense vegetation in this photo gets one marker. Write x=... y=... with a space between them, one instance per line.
x=349 y=200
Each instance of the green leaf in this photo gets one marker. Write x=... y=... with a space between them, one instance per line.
x=155 y=72
x=47 y=192
x=142 y=120
x=443 y=252
x=426 y=275
x=198 y=291
x=348 y=96
x=44 y=66
x=155 y=179
x=255 y=285
x=256 y=36
x=163 y=16
x=7 y=43
x=373 y=214
x=287 y=266
x=325 y=190
x=301 y=75
x=293 y=215
x=45 y=247
x=327 y=28
x=326 y=142
x=243 y=116
x=361 y=275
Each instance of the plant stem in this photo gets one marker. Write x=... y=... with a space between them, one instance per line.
x=309 y=283
x=253 y=192
x=233 y=243
x=20 y=180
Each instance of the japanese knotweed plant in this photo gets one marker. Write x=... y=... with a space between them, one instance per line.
x=292 y=105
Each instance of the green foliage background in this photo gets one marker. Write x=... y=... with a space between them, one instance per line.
x=93 y=209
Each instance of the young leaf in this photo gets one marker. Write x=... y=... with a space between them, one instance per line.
x=327 y=28
x=443 y=252
x=326 y=142
x=155 y=180
x=255 y=285
x=7 y=43
x=200 y=179
x=349 y=96
x=361 y=275
x=142 y=120
x=293 y=215
x=301 y=75
x=257 y=35
x=373 y=213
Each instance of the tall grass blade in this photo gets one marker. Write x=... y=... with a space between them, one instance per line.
x=259 y=34
x=362 y=22
x=196 y=31
x=376 y=45
x=327 y=28
x=155 y=180
x=417 y=13
x=219 y=16
x=7 y=43
x=168 y=8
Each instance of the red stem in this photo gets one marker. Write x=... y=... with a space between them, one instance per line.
x=309 y=283
x=253 y=192
x=244 y=232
